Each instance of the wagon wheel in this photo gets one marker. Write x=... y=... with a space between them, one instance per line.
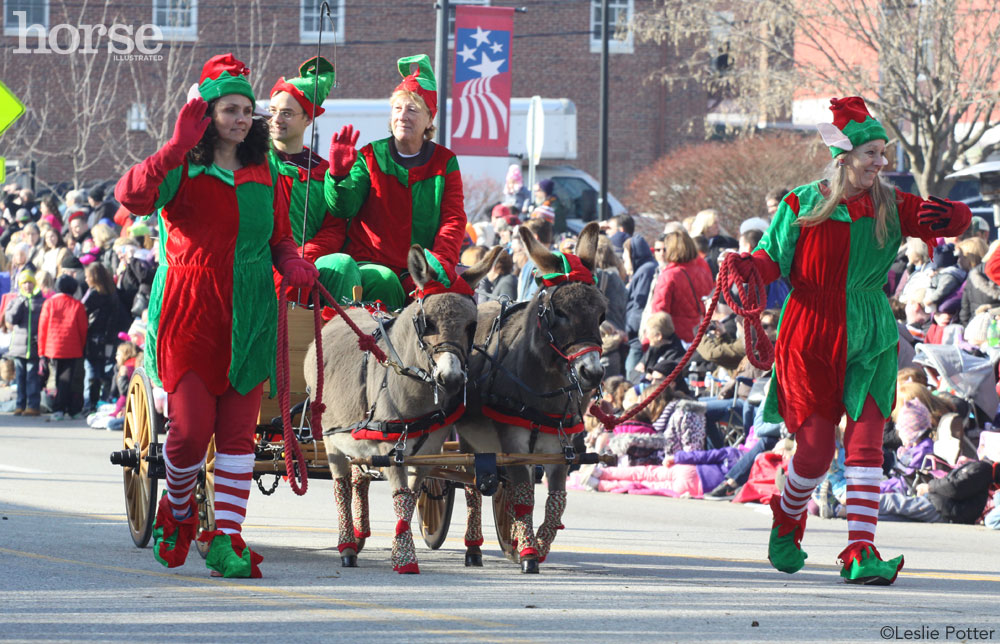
x=139 y=433
x=204 y=496
x=436 y=502
x=503 y=519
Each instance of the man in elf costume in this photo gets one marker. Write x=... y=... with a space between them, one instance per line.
x=837 y=340
x=401 y=190
x=211 y=336
x=295 y=102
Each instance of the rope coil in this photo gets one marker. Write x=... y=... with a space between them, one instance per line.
x=760 y=351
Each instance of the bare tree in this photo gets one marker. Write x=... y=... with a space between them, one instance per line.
x=927 y=69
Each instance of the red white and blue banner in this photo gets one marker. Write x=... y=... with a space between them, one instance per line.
x=480 y=96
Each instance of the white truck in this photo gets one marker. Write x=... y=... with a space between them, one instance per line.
x=484 y=176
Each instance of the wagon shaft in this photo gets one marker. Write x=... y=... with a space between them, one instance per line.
x=458 y=460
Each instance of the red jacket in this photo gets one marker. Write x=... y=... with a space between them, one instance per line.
x=62 y=327
x=678 y=291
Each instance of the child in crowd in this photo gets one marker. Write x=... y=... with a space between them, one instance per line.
x=62 y=337
x=662 y=344
x=23 y=316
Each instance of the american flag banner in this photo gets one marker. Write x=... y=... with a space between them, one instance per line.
x=481 y=92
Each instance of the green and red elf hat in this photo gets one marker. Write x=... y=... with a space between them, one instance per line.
x=852 y=125
x=573 y=271
x=318 y=72
x=445 y=281
x=224 y=74
x=418 y=77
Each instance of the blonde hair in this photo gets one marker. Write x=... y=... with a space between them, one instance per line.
x=703 y=220
x=416 y=98
x=678 y=247
x=974 y=248
x=883 y=198
x=906 y=391
x=102 y=234
x=662 y=323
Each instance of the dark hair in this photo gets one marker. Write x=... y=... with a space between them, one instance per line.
x=777 y=194
x=626 y=223
x=97 y=194
x=541 y=229
x=101 y=276
x=700 y=243
x=253 y=150
x=66 y=284
x=752 y=237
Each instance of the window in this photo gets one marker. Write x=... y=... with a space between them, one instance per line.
x=309 y=22
x=137 y=118
x=177 y=19
x=36 y=12
x=451 y=17
x=620 y=39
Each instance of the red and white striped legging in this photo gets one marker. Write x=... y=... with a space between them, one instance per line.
x=195 y=416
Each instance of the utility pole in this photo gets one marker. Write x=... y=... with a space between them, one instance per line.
x=441 y=68
x=602 y=150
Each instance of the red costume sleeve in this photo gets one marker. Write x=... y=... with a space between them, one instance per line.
x=139 y=188
x=451 y=229
x=909 y=205
x=328 y=239
x=766 y=267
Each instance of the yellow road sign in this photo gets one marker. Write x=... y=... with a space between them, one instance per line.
x=11 y=109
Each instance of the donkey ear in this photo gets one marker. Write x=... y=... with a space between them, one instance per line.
x=482 y=267
x=586 y=245
x=417 y=265
x=544 y=260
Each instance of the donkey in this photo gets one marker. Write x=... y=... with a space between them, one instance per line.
x=366 y=403
x=532 y=373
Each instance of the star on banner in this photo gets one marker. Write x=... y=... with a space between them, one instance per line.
x=487 y=67
x=496 y=48
x=467 y=53
x=481 y=37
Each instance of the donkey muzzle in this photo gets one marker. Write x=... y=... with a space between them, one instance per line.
x=449 y=373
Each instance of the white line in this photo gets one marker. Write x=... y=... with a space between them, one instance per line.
x=21 y=470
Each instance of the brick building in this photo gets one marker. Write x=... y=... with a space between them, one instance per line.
x=556 y=54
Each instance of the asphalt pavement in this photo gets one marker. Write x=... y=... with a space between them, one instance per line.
x=626 y=569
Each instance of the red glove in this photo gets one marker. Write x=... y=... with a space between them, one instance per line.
x=342 y=151
x=295 y=271
x=190 y=126
x=935 y=213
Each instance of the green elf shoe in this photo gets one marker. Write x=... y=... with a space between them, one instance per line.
x=784 y=549
x=172 y=538
x=862 y=564
x=229 y=556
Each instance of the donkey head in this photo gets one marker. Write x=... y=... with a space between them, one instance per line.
x=445 y=319
x=570 y=312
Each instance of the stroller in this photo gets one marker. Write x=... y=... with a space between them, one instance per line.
x=972 y=380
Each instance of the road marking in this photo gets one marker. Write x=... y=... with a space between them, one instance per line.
x=21 y=470
x=956 y=576
x=230 y=584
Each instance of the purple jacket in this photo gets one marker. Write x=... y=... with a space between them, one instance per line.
x=711 y=464
x=908 y=461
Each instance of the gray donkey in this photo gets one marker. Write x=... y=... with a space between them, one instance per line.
x=532 y=374
x=366 y=403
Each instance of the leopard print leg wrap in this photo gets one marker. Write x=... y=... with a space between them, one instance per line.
x=523 y=497
x=404 y=555
x=342 y=495
x=359 y=486
x=555 y=505
x=473 y=517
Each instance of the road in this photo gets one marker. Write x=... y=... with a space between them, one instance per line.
x=627 y=569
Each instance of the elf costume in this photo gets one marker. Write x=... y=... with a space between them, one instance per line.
x=211 y=335
x=314 y=232
x=837 y=342
x=394 y=202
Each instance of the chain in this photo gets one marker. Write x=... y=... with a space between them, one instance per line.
x=260 y=486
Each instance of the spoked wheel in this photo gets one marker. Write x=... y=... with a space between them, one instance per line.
x=140 y=433
x=204 y=496
x=436 y=502
x=503 y=519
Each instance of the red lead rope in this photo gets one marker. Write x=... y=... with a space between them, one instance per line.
x=760 y=353
x=293 y=453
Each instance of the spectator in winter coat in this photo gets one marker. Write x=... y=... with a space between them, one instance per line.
x=55 y=251
x=946 y=278
x=62 y=336
x=913 y=425
x=706 y=224
x=78 y=227
x=500 y=281
x=959 y=497
x=979 y=288
x=101 y=303
x=611 y=277
x=99 y=208
x=642 y=269
x=681 y=285
x=22 y=315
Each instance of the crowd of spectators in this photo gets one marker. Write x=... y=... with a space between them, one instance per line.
x=75 y=279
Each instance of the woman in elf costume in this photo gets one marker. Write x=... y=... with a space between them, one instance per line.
x=398 y=191
x=837 y=340
x=212 y=329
